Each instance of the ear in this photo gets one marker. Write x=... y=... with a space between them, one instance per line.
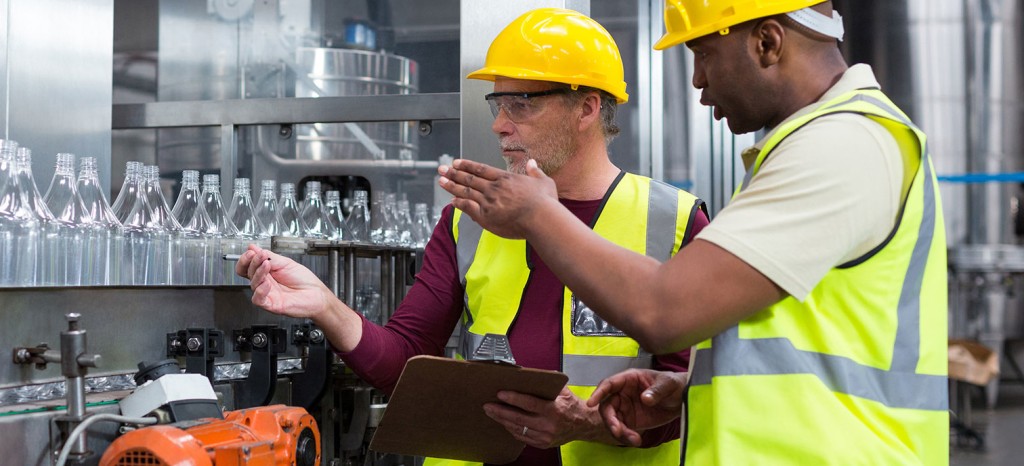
x=769 y=36
x=590 y=110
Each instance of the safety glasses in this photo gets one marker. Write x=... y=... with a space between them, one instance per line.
x=519 y=106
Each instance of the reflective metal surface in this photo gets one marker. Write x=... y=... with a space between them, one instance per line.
x=327 y=72
x=437 y=106
x=55 y=59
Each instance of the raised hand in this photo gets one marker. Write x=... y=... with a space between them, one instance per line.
x=283 y=286
x=502 y=202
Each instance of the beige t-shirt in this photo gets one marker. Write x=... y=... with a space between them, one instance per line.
x=827 y=194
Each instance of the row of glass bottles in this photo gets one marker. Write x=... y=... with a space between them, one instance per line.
x=71 y=236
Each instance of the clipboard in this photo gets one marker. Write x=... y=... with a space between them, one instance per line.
x=436 y=409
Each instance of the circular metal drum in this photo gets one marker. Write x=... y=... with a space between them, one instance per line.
x=347 y=72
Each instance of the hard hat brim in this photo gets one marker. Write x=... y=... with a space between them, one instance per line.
x=490 y=73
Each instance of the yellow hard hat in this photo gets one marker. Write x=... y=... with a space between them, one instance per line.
x=558 y=45
x=686 y=20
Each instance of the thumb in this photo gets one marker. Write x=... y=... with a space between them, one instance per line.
x=664 y=390
x=533 y=170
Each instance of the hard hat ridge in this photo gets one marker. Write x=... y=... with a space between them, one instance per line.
x=686 y=20
x=558 y=45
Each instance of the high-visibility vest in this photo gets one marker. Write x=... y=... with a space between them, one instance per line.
x=643 y=215
x=854 y=374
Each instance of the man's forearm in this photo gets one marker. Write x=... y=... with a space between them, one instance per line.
x=342 y=326
x=621 y=293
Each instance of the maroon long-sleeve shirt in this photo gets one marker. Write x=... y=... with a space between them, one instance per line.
x=425 y=319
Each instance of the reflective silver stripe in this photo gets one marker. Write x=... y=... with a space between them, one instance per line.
x=899 y=387
x=465 y=247
x=777 y=356
x=588 y=371
x=468 y=342
x=662 y=210
x=907 y=347
x=465 y=250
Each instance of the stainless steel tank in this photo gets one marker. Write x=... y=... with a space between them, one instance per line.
x=349 y=72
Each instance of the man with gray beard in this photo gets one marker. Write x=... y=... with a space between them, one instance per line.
x=558 y=79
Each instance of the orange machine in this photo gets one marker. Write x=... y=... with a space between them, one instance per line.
x=275 y=435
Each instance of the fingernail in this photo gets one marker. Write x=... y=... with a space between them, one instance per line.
x=442 y=169
x=442 y=181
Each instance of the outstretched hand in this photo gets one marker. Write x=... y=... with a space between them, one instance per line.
x=637 y=400
x=281 y=285
x=502 y=202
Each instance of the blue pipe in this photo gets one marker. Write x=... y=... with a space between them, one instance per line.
x=971 y=178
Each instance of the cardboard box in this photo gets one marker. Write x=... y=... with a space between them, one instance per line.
x=972 y=362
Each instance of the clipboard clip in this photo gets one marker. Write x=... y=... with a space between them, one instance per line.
x=494 y=348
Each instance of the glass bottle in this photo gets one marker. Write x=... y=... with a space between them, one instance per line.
x=359 y=218
x=214 y=206
x=188 y=198
x=63 y=201
x=108 y=240
x=385 y=221
x=403 y=224
x=19 y=226
x=48 y=254
x=145 y=243
x=203 y=243
x=266 y=208
x=173 y=262
x=129 y=193
x=190 y=214
x=314 y=213
x=230 y=243
x=243 y=213
x=288 y=209
x=336 y=217
x=421 y=228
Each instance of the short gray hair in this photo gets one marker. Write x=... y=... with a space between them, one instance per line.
x=608 y=107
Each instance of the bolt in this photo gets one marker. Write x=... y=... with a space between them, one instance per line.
x=194 y=344
x=425 y=128
x=240 y=340
x=298 y=335
x=259 y=340
x=316 y=335
x=72 y=318
x=175 y=344
x=21 y=355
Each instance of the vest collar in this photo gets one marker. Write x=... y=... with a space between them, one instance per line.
x=859 y=76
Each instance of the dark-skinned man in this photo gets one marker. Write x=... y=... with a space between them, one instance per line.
x=816 y=299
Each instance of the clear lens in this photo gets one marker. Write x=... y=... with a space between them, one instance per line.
x=518 y=106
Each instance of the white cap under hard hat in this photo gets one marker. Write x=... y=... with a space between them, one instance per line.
x=817 y=22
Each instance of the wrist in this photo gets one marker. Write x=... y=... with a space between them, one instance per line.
x=540 y=217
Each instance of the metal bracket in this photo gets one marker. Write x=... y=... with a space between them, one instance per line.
x=309 y=386
x=40 y=355
x=264 y=342
x=494 y=348
x=199 y=347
